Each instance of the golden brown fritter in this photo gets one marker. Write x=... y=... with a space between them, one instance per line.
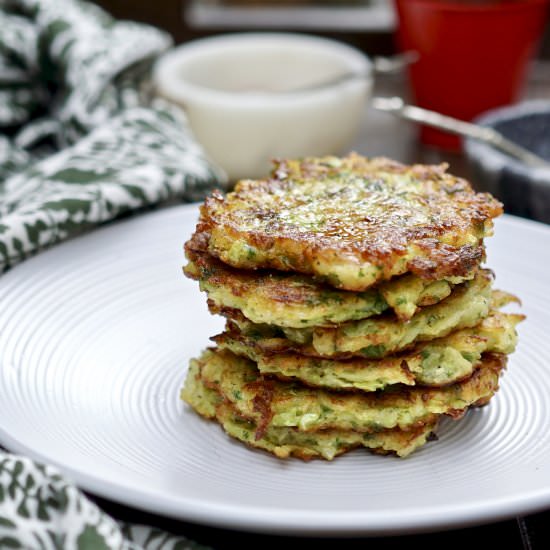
x=351 y=222
x=437 y=363
x=272 y=403
x=375 y=337
x=298 y=301
x=284 y=442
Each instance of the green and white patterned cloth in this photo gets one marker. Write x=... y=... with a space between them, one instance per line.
x=40 y=510
x=82 y=142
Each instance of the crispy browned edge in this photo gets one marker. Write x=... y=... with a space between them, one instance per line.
x=263 y=404
x=264 y=389
x=438 y=260
x=240 y=281
x=404 y=356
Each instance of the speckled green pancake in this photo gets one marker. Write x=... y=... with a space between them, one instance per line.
x=298 y=301
x=379 y=336
x=273 y=403
x=284 y=442
x=439 y=362
x=351 y=221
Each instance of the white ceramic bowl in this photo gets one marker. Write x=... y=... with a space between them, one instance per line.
x=235 y=90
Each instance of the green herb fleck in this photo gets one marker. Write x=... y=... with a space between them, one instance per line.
x=237 y=395
x=373 y=351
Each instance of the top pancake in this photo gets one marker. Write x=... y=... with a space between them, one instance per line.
x=351 y=221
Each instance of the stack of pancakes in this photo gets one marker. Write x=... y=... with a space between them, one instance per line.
x=357 y=311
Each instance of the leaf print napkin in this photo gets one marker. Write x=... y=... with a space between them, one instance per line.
x=82 y=140
x=39 y=509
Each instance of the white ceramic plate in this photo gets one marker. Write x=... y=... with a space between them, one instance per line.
x=95 y=336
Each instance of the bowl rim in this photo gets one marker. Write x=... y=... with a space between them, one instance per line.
x=494 y=160
x=176 y=89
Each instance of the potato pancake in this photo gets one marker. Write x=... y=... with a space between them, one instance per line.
x=436 y=363
x=298 y=301
x=351 y=221
x=272 y=403
x=380 y=336
x=284 y=442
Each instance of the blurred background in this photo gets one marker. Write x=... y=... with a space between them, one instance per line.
x=476 y=62
x=367 y=24
x=371 y=26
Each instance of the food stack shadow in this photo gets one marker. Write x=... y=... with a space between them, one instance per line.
x=358 y=308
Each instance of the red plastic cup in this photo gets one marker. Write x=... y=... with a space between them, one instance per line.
x=473 y=56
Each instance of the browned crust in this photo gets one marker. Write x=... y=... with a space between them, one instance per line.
x=442 y=260
x=239 y=281
x=262 y=405
x=275 y=287
x=274 y=345
x=410 y=434
x=264 y=390
x=455 y=210
x=491 y=363
x=220 y=339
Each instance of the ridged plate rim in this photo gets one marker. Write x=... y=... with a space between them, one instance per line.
x=277 y=520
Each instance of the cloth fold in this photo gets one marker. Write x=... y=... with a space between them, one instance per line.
x=84 y=139
x=133 y=161
x=39 y=509
x=82 y=142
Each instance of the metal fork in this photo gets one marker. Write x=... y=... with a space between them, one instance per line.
x=397 y=106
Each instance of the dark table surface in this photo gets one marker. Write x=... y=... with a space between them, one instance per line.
x=524 y=533
x=381 y=134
